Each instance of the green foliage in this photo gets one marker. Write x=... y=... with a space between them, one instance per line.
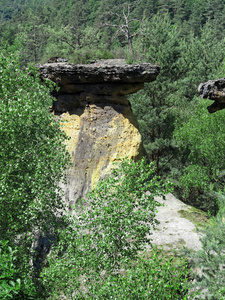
x=33 y=158
x=195 y=177
x=123 y=202
x=30 y=171
x=199 y=61
x=171 y=101
x=203 y=136
x=158 y=43
x=156 y=277
x=86 y=55
x=13 y=285
x=50 y=27
x=184 y=62
x=32 y=152
x=208 y=263
x=107 y=234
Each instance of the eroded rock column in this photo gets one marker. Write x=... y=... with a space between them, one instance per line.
x=98 y=118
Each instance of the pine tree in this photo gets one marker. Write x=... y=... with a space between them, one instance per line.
x=159 y=44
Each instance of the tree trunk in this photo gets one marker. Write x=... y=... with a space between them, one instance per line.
x=130 y=45
x=35 y=49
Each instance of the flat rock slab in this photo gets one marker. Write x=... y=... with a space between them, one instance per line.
x=175 y=231
x=99 y=72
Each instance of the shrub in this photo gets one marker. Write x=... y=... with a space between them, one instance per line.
x=210 y=278
x=12 y=284
x=104 y=241
x=33 y=158
x=156 y=277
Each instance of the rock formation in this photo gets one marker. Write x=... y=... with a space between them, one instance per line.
x=98 y=118
x=213 y=90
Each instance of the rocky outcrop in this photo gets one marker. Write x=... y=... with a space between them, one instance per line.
x=98 y=118
x=214 y=90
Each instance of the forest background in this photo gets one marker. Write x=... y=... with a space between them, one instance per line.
x=186 y=38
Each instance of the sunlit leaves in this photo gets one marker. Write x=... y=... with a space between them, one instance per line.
x=33 y=158
x=109 y=230
x=203 y=135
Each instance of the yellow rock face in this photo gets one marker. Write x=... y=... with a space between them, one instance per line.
x=99 y=135
x=71 y=125
x=95 y=113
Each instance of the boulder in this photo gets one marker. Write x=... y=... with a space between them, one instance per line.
x=213 y=90
x=95 y=113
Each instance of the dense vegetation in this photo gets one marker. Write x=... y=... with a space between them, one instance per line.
x=184 y=142
x=32 y=159
x=184 y=37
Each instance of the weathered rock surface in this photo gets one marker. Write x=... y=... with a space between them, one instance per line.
x=177 y=228
x=98 y=118
x=214 y=90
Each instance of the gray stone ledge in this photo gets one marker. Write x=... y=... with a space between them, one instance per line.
x=117 y=71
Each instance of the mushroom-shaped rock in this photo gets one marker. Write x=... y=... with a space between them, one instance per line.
x=99 y=120
x=213 y=90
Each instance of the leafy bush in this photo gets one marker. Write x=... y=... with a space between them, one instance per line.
x=33 y=158
x=203 y=138
x=85 y=55
x=209 y=262
x=12 y=284
x=98 y=257
x=156 y=277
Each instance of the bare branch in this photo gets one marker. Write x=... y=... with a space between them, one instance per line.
x=134 y=34
x=111 y=25
x=125 y=27
x=64 y=40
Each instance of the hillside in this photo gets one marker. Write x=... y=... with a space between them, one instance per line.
x=166 y=118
